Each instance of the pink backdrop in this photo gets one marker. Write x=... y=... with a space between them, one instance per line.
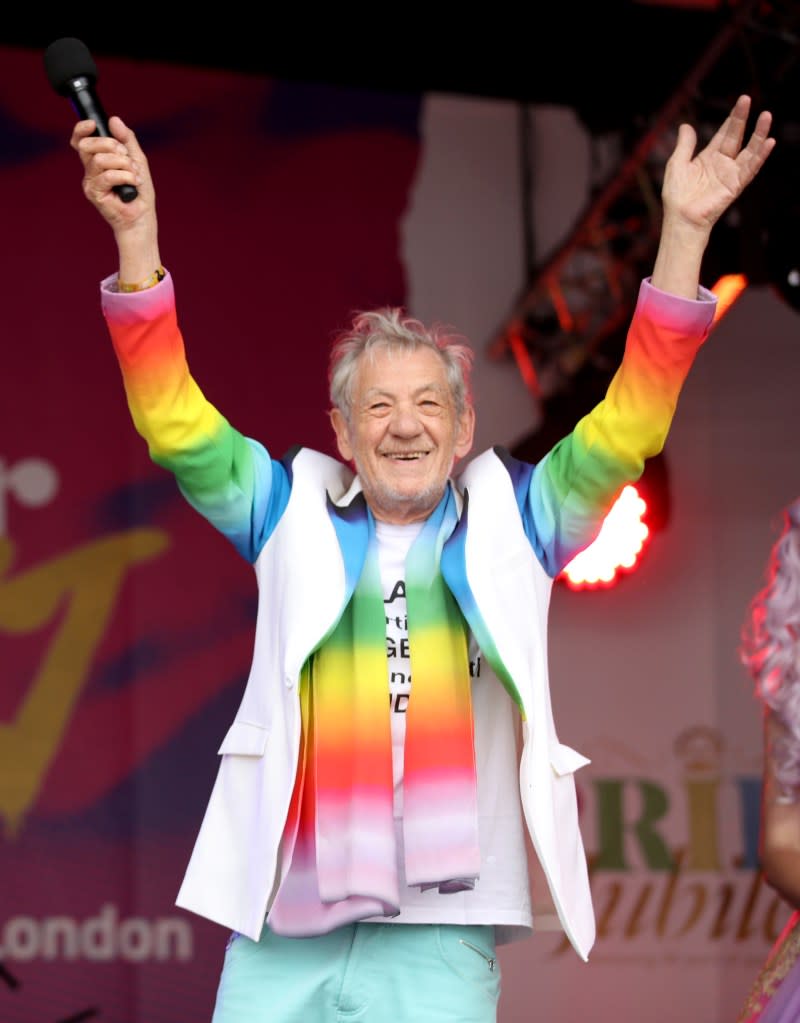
x=110 y=587
x=125 y=621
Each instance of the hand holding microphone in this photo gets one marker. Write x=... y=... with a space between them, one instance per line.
x=114 y=165
x=72 y=73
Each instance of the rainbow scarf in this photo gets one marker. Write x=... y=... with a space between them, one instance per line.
x=340 y=855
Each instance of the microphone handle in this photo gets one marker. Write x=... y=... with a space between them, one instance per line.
x=88 y=106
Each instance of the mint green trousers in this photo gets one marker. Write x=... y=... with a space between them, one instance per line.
x=362 y=973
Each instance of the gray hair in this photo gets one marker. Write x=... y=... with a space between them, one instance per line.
x=390 y=328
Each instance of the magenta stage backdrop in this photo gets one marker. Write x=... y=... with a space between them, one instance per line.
x=126 y=622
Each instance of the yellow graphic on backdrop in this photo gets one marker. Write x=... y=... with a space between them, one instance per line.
x=77 y=590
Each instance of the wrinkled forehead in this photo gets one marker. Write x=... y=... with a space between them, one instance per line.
x=392 y=368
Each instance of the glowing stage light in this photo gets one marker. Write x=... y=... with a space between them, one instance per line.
x=620 y=543
x=727 y=289
x=617 y=547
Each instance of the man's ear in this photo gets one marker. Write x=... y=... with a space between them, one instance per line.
x=342 y=431
x=466 y=432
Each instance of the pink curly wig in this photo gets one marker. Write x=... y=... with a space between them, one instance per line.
x=770 y=646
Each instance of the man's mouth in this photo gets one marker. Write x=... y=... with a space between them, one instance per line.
x=405 y=456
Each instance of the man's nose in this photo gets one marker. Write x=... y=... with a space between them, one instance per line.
x=405 y=420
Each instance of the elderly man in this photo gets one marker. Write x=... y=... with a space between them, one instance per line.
x=368 y=854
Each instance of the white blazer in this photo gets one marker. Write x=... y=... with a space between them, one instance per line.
x=234 y=867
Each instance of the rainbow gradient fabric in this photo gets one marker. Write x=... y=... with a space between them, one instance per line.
x=340 y=832
x=342 y=862
x=232 y=481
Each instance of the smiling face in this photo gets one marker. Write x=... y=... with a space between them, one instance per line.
x=403 y=433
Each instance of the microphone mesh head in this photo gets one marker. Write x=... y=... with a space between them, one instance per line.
x=66 y=59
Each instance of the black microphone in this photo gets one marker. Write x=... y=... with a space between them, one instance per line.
x=73 y=74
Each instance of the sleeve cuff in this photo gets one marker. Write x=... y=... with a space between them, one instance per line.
x=693 y=315
x=136 y=306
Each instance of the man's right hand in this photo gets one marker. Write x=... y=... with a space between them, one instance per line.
x=120 y=160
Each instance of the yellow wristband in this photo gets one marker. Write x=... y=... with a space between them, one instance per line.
x=149 y=282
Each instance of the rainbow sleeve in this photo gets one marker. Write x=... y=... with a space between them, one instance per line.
x=230 y=479
x=569 y=492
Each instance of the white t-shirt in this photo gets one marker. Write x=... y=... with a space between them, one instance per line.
x=501 y=895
